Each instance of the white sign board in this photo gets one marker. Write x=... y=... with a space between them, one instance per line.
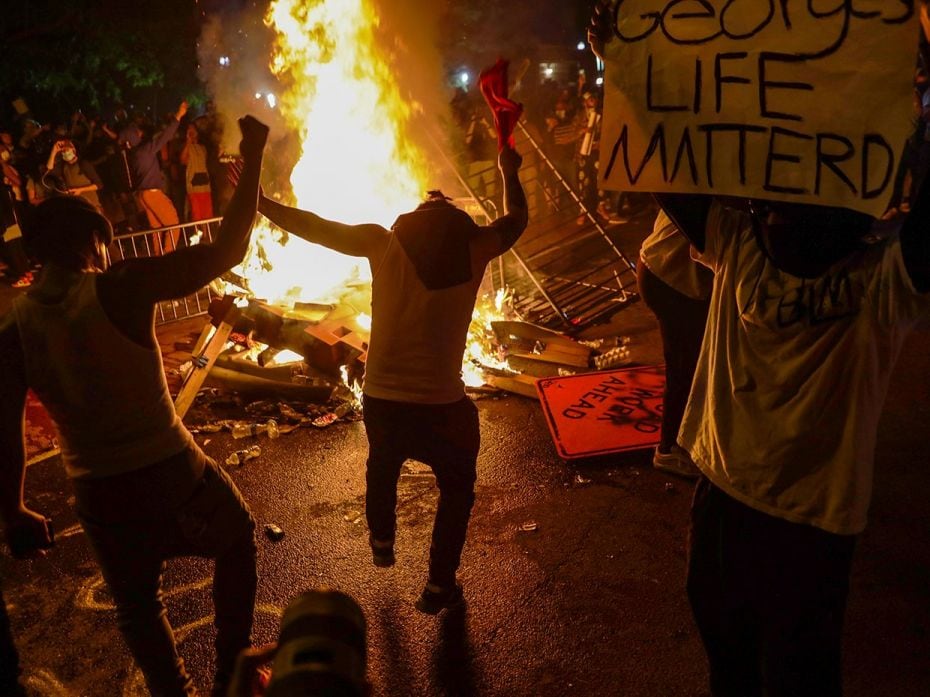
x=796 y=100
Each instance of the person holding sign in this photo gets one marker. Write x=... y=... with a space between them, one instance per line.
x=809 y=309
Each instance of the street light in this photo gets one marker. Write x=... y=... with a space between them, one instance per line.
x=464 y=78
x=581 y=46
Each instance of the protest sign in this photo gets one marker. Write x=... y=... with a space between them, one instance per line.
x=788 y=100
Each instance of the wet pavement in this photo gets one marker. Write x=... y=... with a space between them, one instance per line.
x=589 y=602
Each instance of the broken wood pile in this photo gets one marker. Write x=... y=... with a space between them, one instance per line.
x=308 y=354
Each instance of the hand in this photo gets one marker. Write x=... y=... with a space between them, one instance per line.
x=254 y=137
x=29 y=534
x=182 y=109
x=599 y=30
x=250 y=676
x=509 y=161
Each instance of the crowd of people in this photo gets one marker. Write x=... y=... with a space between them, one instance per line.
x=566 y=121
x=774 y=412
x=138 y=172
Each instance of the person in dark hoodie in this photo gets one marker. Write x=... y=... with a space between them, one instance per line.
x=426 y=272
x=148 y=182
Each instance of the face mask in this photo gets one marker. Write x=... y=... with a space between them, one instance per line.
x=69 y=156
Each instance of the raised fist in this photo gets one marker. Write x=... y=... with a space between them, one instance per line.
x=254 y=137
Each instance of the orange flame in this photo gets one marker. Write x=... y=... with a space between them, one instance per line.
x=356 y=165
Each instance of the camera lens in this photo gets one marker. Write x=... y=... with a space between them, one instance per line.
x=321 y=648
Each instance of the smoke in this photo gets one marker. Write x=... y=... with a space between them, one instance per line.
x=409 y=34
x=235 y=50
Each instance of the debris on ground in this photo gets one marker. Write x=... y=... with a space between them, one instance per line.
x=273 y=532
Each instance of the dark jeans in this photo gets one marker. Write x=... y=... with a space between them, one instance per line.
x=768 y=597
x=681 y=323
x=443 y=436
x=183 y=506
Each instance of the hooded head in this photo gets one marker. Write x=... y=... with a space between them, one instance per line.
x=70 y=232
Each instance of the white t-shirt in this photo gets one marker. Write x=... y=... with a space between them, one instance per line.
x=792 y=376
x=667 y=253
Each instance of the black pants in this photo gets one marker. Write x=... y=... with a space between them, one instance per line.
x=183 y=506
x=443 y=436
x=681 y=324
x=768 y=597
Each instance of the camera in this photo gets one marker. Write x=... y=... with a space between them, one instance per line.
x=322 y=648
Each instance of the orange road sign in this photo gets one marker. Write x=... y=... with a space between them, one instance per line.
x=605 y=412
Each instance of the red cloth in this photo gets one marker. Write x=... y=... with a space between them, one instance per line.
x=493 y=84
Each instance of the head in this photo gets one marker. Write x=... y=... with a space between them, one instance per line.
x=70 y=232
x=6 y=139
x=590 y=100
x=193 y=135
x=809 y=236
x=68 y=152
x=31 y=129
x=561 y=109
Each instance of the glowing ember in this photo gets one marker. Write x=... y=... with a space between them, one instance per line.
x=286 y=356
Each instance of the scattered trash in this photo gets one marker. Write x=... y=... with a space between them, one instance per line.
x=240 y=457
x=607 y=343
x=208 y=428
x=273 y=532
x=333 y=416
x=244 y=430
x=289 y=412
x=529 y=526
x=613 y=358
x=581 y=480
x=206 y=441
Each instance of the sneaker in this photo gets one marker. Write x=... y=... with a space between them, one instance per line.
x=677 y=461
x=435 y=599
x=382 y=552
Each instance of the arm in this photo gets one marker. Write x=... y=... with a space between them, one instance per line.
x=26 y=530
x=689 y=213
x=89 y=171
x=503 y=233
x=159 y=141
x=148 y=280
x=56 y=148
x=367 y=240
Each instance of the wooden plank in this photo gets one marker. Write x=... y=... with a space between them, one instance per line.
x=523 y=385
x=202 y=363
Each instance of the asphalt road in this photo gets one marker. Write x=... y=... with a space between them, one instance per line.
x=591 y=602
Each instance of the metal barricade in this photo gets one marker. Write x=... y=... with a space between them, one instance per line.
x=149 y=243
